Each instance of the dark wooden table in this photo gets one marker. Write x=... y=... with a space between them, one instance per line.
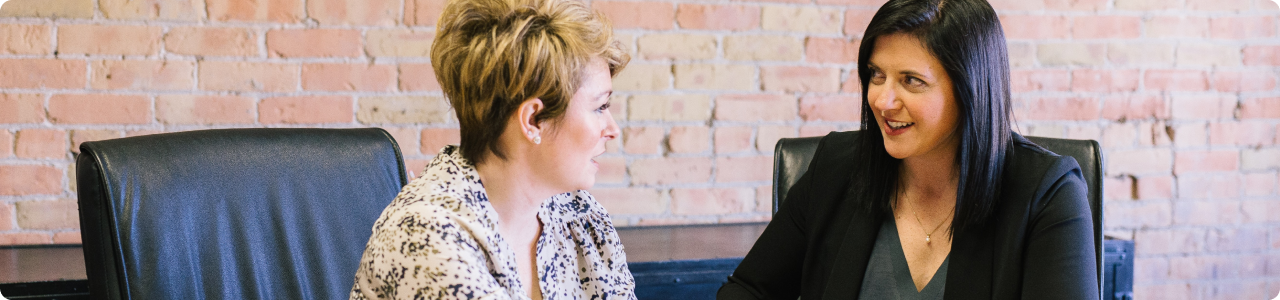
x=670 y=262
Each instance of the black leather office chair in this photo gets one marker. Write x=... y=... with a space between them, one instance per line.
x=233 y=213
x=791 y=158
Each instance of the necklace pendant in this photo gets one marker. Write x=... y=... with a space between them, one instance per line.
x=926 y=238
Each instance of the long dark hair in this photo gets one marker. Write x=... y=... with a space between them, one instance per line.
x=966 y=37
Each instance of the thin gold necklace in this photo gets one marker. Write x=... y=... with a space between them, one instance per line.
x=927 y=235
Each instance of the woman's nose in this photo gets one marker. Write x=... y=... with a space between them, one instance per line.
x=611 y=130
x=884 y=99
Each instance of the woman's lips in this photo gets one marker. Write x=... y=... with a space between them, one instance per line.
x=892 y=127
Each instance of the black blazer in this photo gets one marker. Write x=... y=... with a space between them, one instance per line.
x=1037 y=245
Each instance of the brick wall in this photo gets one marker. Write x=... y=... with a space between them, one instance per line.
x=1182 y=94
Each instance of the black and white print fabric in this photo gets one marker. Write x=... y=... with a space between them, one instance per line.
x=439 y=240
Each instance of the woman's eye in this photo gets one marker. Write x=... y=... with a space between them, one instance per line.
x=603 y=107
x=916 y=82
x=877 y=78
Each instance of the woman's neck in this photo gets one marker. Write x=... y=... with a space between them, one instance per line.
x=931 y=179
x=512 y=192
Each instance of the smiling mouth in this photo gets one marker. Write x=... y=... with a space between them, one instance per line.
x=898 y=125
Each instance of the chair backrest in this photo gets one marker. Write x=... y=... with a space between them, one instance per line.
x=791 y=158
x=233 y=213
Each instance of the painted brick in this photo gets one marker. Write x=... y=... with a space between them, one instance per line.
x=1140 y=214
x=278 y=11
x=1155 y=187
x=42 y=73
x=67 y=237
x=267 y=77
x=1039 y=80
x=1139 y=162
x=1260 y=184
x=1036 y=27
x=1076 y=5
x=669 y=108
x=21 y=180
x=677 y=46
x=204 y=110
x=1071 y=54
x=212 y=41
x=755 y=108
x=851 y=85
x=290 y=43
x=800 y=19
x=435 y=139
x=6 y=145
x=1262 y=55
x=1268 y=108
x=305 y=110
x=1219 y=5
x=767 y=137
x=418 y=77
x=1244 y=27
x=763 y=48
x=367 y=12
x=1208 y=55
x=1176 y=80
x=48 y=215
x=733 y=139
x=1176 y=26
x=1135 y=107
x=718 y=17
x=1191 y=134
x=24 y=238
x=1260 y=159
x=630 y=201
x=1147 y=4
x=715 y=77
x=108 y=39
x=689 y=139
x=7 y=217
x=831 y=50
x=77 y=9
x=407 y=139
x=1243 y=81
x=1247 y=133
x=670 y=170
x=142 y=75
x=89 y=135
x=613 y=170
x=1106 y=27
x=348 y=77
x=1108 y=81
x=800 y=79
x=712 y=201
x=872 y=3
x=1217 y=186
x=422 y=12
x=399 y=43
x=1203 y=107
x=1079 y=109
x=744 y=169
x=25 y=39
x=1021 y=55
x=643 y=77
x=637 y=15
x=173 y=10
x=21 y=108
x=1206 y=161
x=39 y=143
x=1118 y=188
x=642 y=140
x=1204 y=213
x=404 y=110
x=99 y=109
x=1141 y=54
x=857 y=20
x=845 y=108
x=1119 y=136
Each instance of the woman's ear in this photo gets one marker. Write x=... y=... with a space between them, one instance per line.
x=527 y=116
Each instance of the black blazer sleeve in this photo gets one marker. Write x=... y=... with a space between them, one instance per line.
x=772 y=269
x=1060 y=238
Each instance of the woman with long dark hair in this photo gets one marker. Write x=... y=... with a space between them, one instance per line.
x=936 y=197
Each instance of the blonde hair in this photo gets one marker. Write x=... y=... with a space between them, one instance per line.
x=492 y=55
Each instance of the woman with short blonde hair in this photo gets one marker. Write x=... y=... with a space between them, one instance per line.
x=505 y=214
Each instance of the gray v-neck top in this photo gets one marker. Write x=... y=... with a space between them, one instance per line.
x=889 y=277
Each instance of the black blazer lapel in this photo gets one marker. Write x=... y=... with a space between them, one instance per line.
x=850 y=263
x=969 y=274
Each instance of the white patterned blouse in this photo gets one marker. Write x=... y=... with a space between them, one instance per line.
x=439 y=240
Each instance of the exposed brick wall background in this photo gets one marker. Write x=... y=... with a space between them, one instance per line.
x=1182 y=94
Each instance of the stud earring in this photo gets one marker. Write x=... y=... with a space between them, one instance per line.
x=537 y=140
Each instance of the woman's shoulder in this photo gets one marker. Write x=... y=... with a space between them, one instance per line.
x=1036 y=174
x=448 y=189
